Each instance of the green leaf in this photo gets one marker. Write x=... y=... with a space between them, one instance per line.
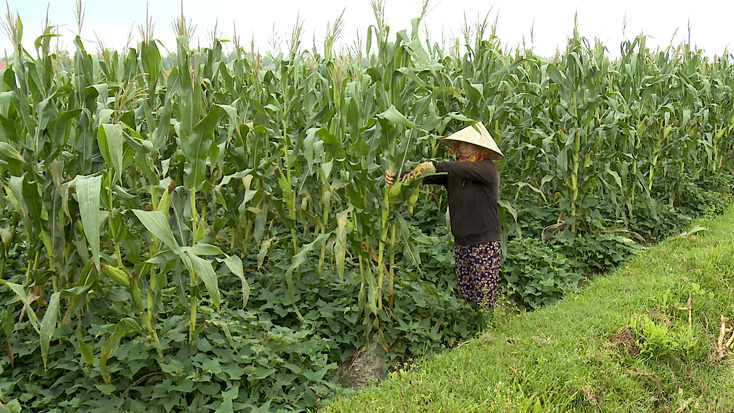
x=108 y=347
x=228 y=178
x=10 y=152
x=394 y=116
x=204 y=271
x=333 y=142
x=232 y=393
x=110 y=139
x=20 y=292
x=264 y=248
x=616 y=177
x=196 y=149
x=211 y=365
x=234 y=371
x=234 y=263
x=164 y=122
x=86 y=350
x=410 y=248
x=5 y=99
x=48 y=326
x=106 y=389
x=87 y=194
x=555 y=74
x=201 y=248
x=260 y=373
x=299 y=258
x=137 y=142
x=226 y=407
x=157 y=224
x=507 y=206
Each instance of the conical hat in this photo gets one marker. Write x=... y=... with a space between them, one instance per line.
x=478 y=135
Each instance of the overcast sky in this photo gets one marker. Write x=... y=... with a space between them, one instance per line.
x=551 y=22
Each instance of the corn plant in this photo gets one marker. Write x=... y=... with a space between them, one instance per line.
x=129 y=184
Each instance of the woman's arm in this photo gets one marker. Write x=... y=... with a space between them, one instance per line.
x=482 y=171
x=430 y=180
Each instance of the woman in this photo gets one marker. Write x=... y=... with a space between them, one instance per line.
x=472 y=184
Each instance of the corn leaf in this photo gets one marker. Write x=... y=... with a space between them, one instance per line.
x=87 y=194
x=234 y=263
x=48 y=326
x=204 y=271
x=157 y=224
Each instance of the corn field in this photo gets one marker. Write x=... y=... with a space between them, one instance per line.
x=134 y=189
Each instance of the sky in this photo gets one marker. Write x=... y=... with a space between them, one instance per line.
x=541 y=25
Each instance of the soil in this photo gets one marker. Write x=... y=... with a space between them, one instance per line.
x=364 y=369
x=625 y=338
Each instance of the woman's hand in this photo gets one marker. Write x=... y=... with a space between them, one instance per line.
x=389 y=178
x=418 y=170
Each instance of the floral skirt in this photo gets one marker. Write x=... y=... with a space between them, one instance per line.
x=477 y=272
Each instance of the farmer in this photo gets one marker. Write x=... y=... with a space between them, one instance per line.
x=472 y=184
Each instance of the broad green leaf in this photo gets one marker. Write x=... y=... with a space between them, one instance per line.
x=110 y=139
x=108 y=347
x=227 y=333
x=234 y=263
x=249 y=195
x=536 y=190
x=260 y=373
x=189 y=108
x=555 y=74
x=206 y=249
x=562 y=162
x=5 y=236
x=616 y=177
x=157 y=224
x=264 y=248
x=106 y=389
x=57 y=169
x=326 y=168
x=460 y=117
x=204 y=271
x=137 y=142
x=299 y=258
x=394 y=116
x=234 y=119
x=196 y=149
x=164 y=122
x=228 y=178
x=332 y=142
x=87 y=195
x=103 y=117
x=16 y=187
x=421 y=57
x=694 y=230
x=507 y=206
x=308 y=148
x=411 y=74
x=10 y=152
x=410 y=249
x=48 y=326
x=86 y=351
x=20 y=292
x=5 y=99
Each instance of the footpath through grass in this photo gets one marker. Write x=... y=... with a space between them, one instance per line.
x=648 y=337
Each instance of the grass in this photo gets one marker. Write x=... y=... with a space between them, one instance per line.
x=641 y=339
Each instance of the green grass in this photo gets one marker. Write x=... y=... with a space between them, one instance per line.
x=623 y=344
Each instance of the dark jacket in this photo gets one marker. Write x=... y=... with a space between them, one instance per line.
x=473 y=193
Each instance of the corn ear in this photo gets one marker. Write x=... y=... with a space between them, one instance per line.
x=118 y=275
x=395 y=189
x=412 y=198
